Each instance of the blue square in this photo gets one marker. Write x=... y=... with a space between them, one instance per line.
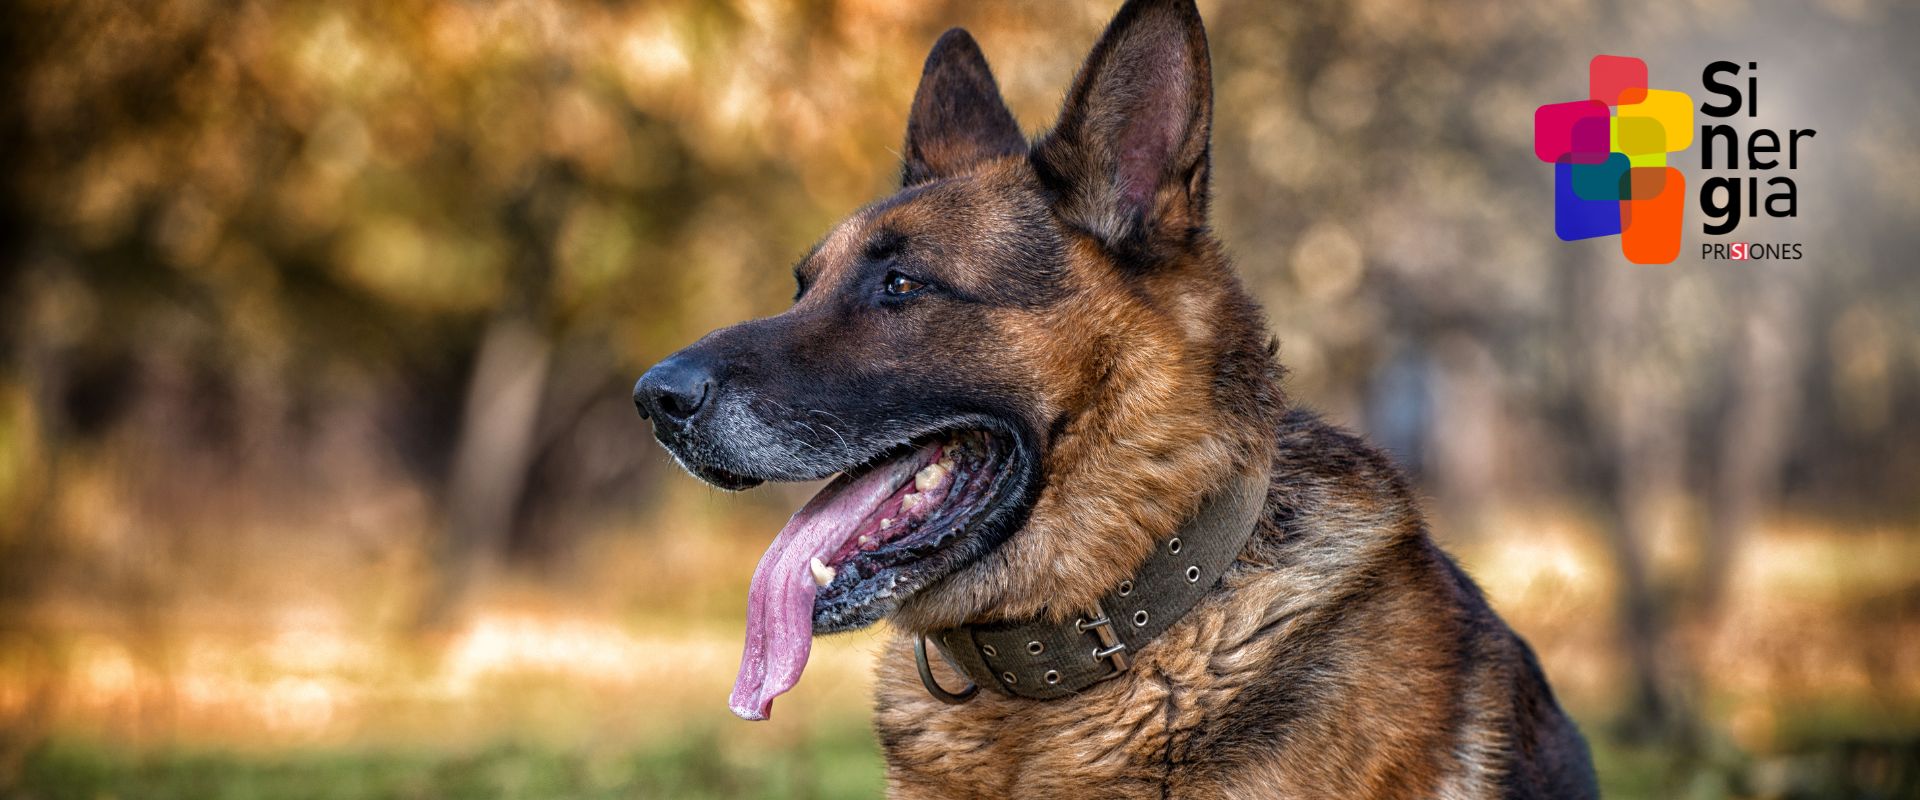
x=1575 y=218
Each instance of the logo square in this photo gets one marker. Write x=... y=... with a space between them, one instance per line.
x=1577 y=131
x=1671 y=111
x=1651 y=234
x=1575 y=218
x=1616 y=80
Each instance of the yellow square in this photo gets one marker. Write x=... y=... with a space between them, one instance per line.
x=1672 y=111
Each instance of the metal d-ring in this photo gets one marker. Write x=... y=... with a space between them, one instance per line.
x=933 y=686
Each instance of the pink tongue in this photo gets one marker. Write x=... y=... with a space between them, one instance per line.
x=780 y=603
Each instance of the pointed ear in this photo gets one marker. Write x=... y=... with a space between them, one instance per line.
x=958 y=118
x=1128 y=158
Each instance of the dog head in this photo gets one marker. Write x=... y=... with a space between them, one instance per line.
x=1025 y=366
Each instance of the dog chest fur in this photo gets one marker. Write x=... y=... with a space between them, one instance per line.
x=1343 y=656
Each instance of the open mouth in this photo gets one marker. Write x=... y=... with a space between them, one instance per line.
x=873 y=535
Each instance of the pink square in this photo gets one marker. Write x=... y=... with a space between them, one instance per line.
x=1576 y=132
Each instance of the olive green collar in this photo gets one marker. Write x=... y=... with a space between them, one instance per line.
x=1045 y=660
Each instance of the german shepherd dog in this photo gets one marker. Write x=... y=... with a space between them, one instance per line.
x=1033 y=372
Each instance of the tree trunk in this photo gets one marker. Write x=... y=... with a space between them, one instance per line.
x=491 y=458
x=1763 y=404
x=1635 y=427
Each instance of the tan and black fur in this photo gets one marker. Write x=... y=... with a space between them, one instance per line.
x=1073 y=301
x=1344 y=656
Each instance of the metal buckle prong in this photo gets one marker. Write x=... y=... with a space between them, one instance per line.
x=1111 y=648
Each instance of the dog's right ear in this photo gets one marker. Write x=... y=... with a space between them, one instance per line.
x=958 y=118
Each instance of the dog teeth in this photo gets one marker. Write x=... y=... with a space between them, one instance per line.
x=867 y=541
x=930 y=477
x=909 y=501
x=886 y=522
x=822 y=574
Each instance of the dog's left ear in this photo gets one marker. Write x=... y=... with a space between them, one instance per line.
x=958 y=118
x=1128 y=158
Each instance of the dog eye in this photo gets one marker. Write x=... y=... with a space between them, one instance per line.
x=898 y=284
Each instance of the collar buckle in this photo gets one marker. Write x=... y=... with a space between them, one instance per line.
x=1037 y=658
x=1111 y=648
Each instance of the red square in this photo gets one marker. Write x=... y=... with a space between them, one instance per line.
x=1617 y=80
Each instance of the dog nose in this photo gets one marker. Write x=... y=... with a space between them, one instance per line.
x=675 y=390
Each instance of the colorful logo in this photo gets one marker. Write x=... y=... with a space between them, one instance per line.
x=1609 y=157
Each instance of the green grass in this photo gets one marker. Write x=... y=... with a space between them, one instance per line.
x=838 y=764
x=1847 y=765
x=1627 y=772
x=836 y=761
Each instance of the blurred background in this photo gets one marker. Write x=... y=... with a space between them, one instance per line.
x=319 y=476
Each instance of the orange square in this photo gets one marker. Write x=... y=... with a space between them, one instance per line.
x=1650 y=229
